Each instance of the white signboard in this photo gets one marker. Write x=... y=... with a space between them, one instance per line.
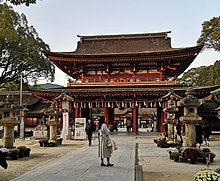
x=65 y=123
x=80 y=126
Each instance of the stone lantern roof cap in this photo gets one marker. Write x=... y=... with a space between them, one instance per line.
x=190 y=91
x=64 y=96
x=171 y=95
x=190 y=100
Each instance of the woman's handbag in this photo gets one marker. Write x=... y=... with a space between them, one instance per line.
x=109 y=143
x=112 y=143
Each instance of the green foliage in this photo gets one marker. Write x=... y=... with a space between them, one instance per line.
x=14 y=151
x=205 y=150
x=21 y=49
x=20 y=2
x=174 y=154
x=201 y=76
x=210 y=36
x=14 y=86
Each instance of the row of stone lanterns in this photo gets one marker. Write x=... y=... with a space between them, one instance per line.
x=9 y=113
x=190 y=118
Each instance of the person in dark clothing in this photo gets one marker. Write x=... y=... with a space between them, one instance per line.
x=115 y=126
x=206 y=133
x=90 y=128
x=179 y=130
x=3 y=161
x=199 y=134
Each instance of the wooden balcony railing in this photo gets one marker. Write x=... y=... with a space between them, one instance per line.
x=121 y=82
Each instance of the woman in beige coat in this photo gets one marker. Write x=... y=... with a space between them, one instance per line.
x=104 y=151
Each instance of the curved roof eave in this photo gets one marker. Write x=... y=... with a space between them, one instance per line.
x=171 y=51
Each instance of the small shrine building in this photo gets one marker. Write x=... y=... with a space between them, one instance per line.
x=122 y=71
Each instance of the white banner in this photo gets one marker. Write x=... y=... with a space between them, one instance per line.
x=65 y=123
x=80 y=126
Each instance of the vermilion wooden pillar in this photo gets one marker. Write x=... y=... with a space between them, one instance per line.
x=76 y=112
x=160 y=115
x=106 y=114
x=80 y=112
x=134 y=120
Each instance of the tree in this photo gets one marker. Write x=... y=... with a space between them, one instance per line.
x=19 y=2
x=201 y=76
x=206 y=76
x=21 y=49
x=211 y=34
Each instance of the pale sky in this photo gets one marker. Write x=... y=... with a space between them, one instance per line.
x=58 y=22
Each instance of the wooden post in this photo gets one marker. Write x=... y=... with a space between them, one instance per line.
x=134 y=120
x=106 y=115
x=76 y=112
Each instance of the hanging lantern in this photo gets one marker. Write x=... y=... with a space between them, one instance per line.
x=118 y=105
x=159 y=104
x=139 y=104
x=126 y=105
x=133 y=105
x=151 y=104
x=84 y=105
x=146 y=103
x=112 y=104
x=109 y=105
x=122 y=104
x=155 y=103
x=65 y=105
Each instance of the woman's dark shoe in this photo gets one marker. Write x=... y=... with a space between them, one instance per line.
x=102 y=164
x=110 y=164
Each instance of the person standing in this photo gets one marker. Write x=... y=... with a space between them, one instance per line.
x=165 y=130
x=206 y=133
x=104 y=151
x=179 y=131
x=90 y=128
x=199 y=133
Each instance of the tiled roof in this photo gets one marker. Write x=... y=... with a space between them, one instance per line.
x=39 y=108
x=124 y=43
x=27 y=98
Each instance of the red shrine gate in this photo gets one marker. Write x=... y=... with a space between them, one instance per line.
x=121 y=71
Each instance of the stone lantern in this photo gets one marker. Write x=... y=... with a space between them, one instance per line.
x=171 y=110
x=52 y=120
x=190 y=118
x=9 y=119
